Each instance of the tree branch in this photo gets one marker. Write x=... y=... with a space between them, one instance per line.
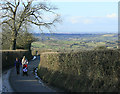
x=22 y=17
x=10 y=4
x=42 y=23
x=15 y=2
x=17 y=6
x=4 y=16
x=37 y=17
x=44 y=7
x=11 y=9
x=39 y=24
x=7 y=22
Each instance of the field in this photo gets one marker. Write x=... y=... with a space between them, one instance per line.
x=75 y=42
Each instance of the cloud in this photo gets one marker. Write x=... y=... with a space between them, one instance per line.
x=113 y=15
x=74 y=19
x=48 y=17
x=80 y=19
x=87 y=21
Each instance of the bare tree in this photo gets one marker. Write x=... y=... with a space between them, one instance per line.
x=17 y=14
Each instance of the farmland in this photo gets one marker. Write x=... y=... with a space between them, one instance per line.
x=75 y=42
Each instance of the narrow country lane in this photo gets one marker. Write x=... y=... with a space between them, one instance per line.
x=6 y=87
x=21 y=83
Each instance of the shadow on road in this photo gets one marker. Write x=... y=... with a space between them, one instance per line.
x=21 y=83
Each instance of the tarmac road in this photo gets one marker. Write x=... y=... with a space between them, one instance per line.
x=20 y=83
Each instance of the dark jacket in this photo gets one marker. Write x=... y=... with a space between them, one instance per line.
x=17 y=63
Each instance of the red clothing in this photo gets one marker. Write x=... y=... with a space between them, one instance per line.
x=25 y=65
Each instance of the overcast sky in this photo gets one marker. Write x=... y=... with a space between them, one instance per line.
x=87 y=17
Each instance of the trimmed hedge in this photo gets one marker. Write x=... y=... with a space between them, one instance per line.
x=38 y=51
x=84 y=71
x=8 y=57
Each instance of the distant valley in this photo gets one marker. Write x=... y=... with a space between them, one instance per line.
x=75 y=42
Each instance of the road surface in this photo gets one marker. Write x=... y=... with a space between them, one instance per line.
x=20 y=83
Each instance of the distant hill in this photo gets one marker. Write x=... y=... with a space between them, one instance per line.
x=60 y=36
x=70 y=42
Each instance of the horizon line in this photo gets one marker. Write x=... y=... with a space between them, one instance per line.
x=75 y=33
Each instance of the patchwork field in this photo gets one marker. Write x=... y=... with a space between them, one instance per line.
x=75 y=42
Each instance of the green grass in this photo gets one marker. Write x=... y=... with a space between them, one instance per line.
x=77 y=43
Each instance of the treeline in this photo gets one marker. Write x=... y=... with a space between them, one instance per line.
x=23 y=41
x=84 y=71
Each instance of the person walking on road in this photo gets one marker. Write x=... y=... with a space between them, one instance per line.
x=25 y=66
x=17 y=64
x=24 y=61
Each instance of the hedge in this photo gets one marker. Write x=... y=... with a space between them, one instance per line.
x=38 y=51
x=8 y=57
x=83 y=71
